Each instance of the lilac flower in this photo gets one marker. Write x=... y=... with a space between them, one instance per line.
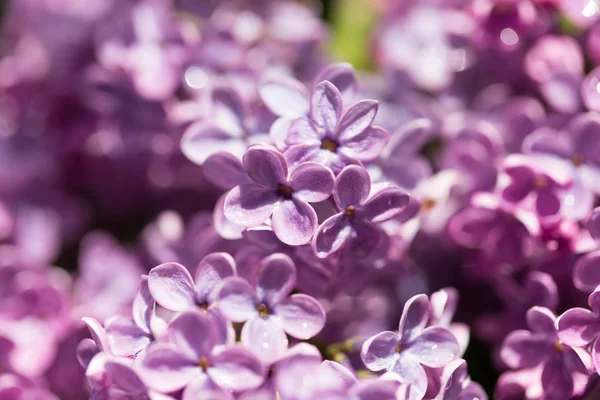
x=332 y=139
x=414 y=346
x=542 y=346
x=278 y=193
x=192 y=360
x=268 y=309
x=543 y=185
x=456 y=384
x=360 y=207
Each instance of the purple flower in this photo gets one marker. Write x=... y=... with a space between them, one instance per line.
x=360 y=207
x=332 y=139
x=543 y=185
x=268 y=309
x=414 y=346
x=580 y=327
x=192 y=360
x=278 y=193
x=542 y=346
x=456 y=384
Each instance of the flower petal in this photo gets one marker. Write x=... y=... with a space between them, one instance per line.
x=285 y=97
x=366 y=146
x=266 y=339
x=434 y=347
x=302 y=316
x=200 y=141
x=352 y=187
x=203 y=387
x=357 y=119
x=331 y=235
x=341 y=75
x=578 y=327
x=265 y=166
x=124 y=378
x=302 y=132
x=193 y=334
x=593 y=224
x=275 y=279
x=557 y=380
x=236 y=369
x=172 y=287
x=311 y=182
x=379 y=351
x=294 y=222
x=98 y=334
x=586 y=273
x=165 y=369
x=236 y=300
x=410 y=371
x=541 y=320
x=414 y=317
x=409 y=138
x=222 y=225
x=326 y=106
x=224 y=170
x=212 y=270
x=249 y=204
x=521 y=349
x=143 y=303
x=126 y=338
x=385 y=204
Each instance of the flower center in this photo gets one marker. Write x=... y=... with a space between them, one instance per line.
x=540 y=182
x=398 y=348
x=204 y=363
x=285 y=191
x=349 y=211
x=263 y=310
x=428 y=203
x=328 y=144
x=577 y=160
x=558 y=346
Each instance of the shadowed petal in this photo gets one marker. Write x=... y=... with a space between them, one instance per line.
x=224 y=227
x=301 y=316
x=578 y=327
x=285 y=97
x=193 y=334
x=266 y=339
x=453 y=377
x=521 y=349
x=249 y=204
x=414 y=317
x=366 y=146
x=126 y=338
x=294 y=222
x=341 y=75
x=411 y=372
x=357 y=119
x=236 y=368
x=434 y=347
x=165 y=369
x=331 y=235
x=265 y=165
x=203 y=387
x=379 y=351
x=143 y=302
x=311 y=182
x=224 y=170
x=409 y=138
x=200 y=141
x=236 y=300
x=541 y=320
x=302 y=132
x=125 y=378
x=172 y=287
x=586 y=274
x=212 y=270
x=326 y=106
x=385 y=204
x=275 y=279
x=98 y=334
x=593 y=223
x=352 y=187
x=556 y=380
x=547 y=203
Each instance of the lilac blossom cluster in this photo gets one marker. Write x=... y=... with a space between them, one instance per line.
x=196 y=202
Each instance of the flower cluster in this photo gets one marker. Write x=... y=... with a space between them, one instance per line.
x=196 y=202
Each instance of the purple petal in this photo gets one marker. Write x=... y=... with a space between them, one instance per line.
x=249 y=204
x=412 y=372
x=585 y=132
x=203 y=387
x=357 y=119
x=193 y=334
x=222 y=225
x=443 y=305
x=125 y=378
x=556 y=380
x=285 y=97
x=352 y=187
x=586 y=274
x=165 y=369
x=366 y=146
x=143 y=303
x=228 y=109
x=407 y=171
x=521 y=349
x=517 y=190
x=275 y=279
x=265 y=166
x=434 y=347
x=364 y=239
x=225 y=334
x=541 y=289
x=375 y=389
x=548 y=141
x=541 y=320
x=200 y=141
x=302 y=131
x=212 y=270
x=236 y=369
x=409 y=138
x=331 y=235
x=224 y=170
x=596 y=355
x=379 y=351
x=341 y=75
x=235 y=298
x=577 y=360
x=593 y=224
x=86 y=350
x=578 y=327
x=172 y=287
x=301 y=316
x=266 y=338
x=385 y=204
x=594 y=301
x=326 y=106
x=589 y=90
x=453 y=377
x=126 y=338
x=547 y=203
x=98 y=334
x=279 y=130
x=294 y=222
x=311 y=182
x=414 y=317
